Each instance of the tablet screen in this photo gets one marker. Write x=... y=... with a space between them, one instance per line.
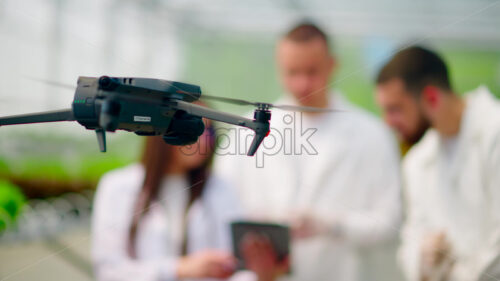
x=278 y=234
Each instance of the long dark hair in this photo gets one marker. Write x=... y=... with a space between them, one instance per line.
x=155 y=159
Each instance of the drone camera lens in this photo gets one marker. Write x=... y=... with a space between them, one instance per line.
x=106 y=83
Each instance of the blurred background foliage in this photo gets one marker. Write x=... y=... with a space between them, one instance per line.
x=47 y=164
x=11 y=202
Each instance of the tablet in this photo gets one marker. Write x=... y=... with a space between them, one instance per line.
x=278 y=234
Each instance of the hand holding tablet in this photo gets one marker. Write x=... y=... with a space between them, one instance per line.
x=262 y=248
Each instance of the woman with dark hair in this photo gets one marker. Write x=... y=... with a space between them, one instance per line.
x=165 y=218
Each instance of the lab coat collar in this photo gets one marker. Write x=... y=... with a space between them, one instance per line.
x=336 y=101
x=478 y=106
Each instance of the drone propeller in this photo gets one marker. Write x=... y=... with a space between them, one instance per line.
x=260 y=105
x=229 y=100
x=263 y=105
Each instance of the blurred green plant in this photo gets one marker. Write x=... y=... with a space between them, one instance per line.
x=11 y=203
x=4 y=168
x=47 y=162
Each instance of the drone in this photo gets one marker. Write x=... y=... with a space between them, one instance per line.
x=151 y=107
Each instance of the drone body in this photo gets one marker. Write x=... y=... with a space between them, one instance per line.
x=145 y=106
x=139 y=105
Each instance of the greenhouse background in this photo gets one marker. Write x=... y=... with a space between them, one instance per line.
x=48 y=172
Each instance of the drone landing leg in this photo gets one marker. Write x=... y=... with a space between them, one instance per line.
x=101 y=139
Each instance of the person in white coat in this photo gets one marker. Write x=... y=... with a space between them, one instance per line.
x=452 y=228
x=333 y=177
x=165 y=218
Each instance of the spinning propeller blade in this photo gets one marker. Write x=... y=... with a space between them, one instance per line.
x=268 y=105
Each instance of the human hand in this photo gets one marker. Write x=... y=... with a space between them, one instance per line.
x=261 y=258
x=206 y=264
x=305 y=226
x=435 y=255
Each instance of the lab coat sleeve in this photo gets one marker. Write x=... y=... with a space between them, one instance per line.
x=229 y=210
x=110 y=224
x=380 y=183
x=416 y=223
x=484 y=264
x=211 y=218
x=409 y=253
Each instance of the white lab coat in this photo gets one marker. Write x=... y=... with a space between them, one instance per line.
x=352 y=183
x=160 y=233
x=461 y=197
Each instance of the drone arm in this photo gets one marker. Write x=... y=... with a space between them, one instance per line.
x=209 y=113
x=49 y=116
x=261 y=129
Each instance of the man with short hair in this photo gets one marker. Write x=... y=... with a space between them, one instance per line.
x=333 y=177
x=452 y=183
